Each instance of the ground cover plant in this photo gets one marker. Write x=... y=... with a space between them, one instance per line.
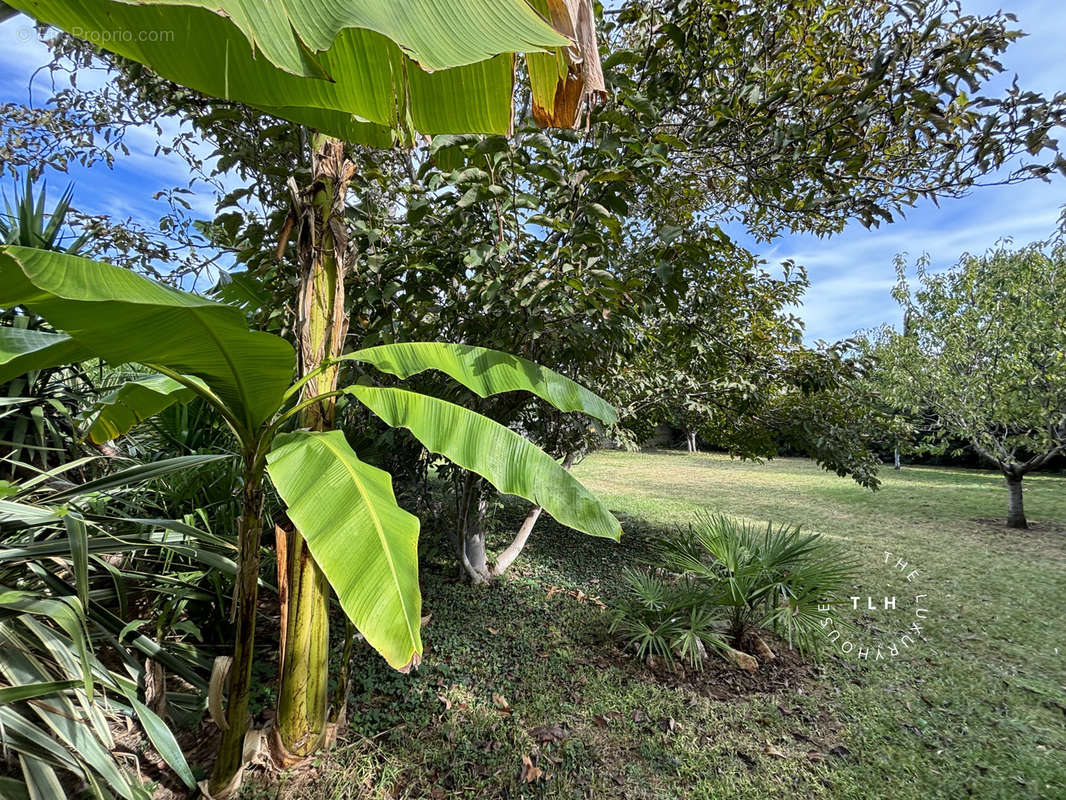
x=201 y=349
x=976 y=710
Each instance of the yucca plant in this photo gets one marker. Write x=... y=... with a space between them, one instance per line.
x=66 y=567
x=55 y=706
x=27 y=222
x=37 y=409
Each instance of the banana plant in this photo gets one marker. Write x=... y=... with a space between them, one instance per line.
x=363 y=541
x=371 y=72
x=374 y=73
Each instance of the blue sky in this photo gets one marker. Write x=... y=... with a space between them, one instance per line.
x=851 y=274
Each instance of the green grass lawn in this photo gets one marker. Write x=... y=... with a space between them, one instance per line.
x=524 y=668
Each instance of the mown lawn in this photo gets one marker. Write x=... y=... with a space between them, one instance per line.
x=524 y=668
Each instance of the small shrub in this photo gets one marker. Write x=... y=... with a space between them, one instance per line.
x=719 y=581
x=666 y=617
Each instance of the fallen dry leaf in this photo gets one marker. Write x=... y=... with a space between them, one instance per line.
x=546 y=734
x=501 y=703
x=494 y=631
x=814 y=755
x=770 y=750
x=530 y=773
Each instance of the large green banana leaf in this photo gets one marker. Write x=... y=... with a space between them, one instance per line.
x=509 y=462
x=366 y=545
x=486 y=372
x=121 y=317
x=23 y=350
x=357 y=70
x=120 y=411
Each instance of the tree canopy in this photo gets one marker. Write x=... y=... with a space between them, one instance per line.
x=983 y=358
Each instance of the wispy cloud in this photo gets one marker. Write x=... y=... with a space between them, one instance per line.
x=127 y=190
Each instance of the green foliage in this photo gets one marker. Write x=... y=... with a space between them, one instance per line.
x=133 y=402
x=37 y=408
x=666 y=619
x=65 y=565
x=729 y=576
x=983 y=356
x=349 y=73
x=365 y=543
x=245 y=377
x=486 y=372
x=476 y=442
x=801 y=116
x=52 y=722
x=121 y=317
x=724 y=361
x=26 y=222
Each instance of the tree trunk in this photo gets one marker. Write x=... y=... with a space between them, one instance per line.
x=229 y=765
x=473 y=507
x=1015 y=509
x=895 y=458
x=690 y=439
x=514 y=549
x=321 y=326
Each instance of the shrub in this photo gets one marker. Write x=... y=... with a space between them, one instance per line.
x=64 y=571
x=721 y=580
x=666 y=618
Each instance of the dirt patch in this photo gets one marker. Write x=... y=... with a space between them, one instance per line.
x=1034 y=529
x=722 y=680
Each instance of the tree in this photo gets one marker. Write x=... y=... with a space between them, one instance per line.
x=807 y=114
x=726 y=363
x=377 y=62
x=517 y=244
x=364 y=543
x=984 y=359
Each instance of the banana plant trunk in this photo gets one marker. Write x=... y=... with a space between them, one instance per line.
x=319 y=211
x=229 y=764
